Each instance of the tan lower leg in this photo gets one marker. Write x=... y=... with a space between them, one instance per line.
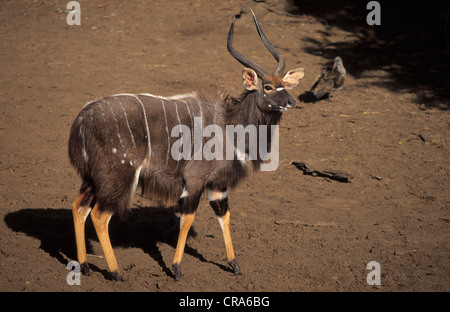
x=231 y=257
x=101 y=221
x=185 y=224
x=225 y=224
x=79 y=218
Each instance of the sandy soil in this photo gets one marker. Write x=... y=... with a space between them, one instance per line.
x=388 y=127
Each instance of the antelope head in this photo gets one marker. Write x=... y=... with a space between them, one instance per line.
x=271 y=87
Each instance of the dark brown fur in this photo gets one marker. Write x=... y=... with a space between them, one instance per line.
x=107 y=124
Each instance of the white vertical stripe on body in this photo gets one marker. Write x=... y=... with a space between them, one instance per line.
x=146 y=125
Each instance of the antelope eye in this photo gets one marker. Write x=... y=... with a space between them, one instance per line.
x=268 y=87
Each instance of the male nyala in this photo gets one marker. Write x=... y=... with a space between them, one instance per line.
x=121 y=142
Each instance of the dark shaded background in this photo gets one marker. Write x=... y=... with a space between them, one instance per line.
x=411 y=43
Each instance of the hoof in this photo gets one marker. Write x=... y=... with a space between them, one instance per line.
x=84 y=268
x=235 y=267
x=116 y=276
x=177 y=271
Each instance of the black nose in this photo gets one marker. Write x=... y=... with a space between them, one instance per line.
x=291 y=103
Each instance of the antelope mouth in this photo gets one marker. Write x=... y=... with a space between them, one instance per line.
x=279 y=108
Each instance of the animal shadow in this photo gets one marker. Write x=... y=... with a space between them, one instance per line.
x=144 y=228
x=308 y=97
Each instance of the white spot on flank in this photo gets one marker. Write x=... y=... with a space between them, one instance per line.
x=114 y=150
x=122 y=161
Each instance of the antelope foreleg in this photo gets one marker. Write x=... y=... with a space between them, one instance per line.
x=219 y=202
x=231 y=258
x=186 y=221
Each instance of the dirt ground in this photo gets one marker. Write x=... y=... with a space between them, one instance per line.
x=389 y=127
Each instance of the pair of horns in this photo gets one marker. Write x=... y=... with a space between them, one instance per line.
x=247 y=62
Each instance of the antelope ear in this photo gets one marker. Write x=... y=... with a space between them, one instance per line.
x=292 y=77
x=249 y=79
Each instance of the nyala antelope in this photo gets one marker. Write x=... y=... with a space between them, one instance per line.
x=121 y=142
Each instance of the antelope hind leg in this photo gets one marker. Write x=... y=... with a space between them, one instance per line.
x=80 y=213
x=101 y=221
